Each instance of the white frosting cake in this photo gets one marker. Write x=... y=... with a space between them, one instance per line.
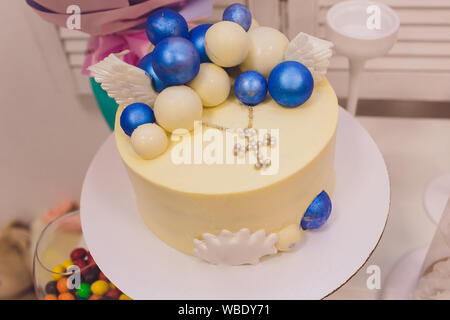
x=181 y=202
x=226 y=175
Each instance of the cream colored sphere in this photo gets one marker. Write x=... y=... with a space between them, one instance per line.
x=226 y=44
x=212 y=84
x=255 y=24
x=177 y=107
x=149 y=140
x=267 y=47
x=289 y=237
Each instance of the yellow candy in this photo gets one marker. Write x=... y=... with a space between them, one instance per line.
x=99 y=287
x=67 y=263
x=58 y=269
x=124 y=297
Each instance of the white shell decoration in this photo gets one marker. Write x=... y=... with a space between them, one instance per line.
x=313 y=52
x=122 y=81
x=242 y=247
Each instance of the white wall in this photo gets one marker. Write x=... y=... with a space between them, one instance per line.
x=48 y=135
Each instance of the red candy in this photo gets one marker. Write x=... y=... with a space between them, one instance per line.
x=113 y=293
x=102 y=276
x=90 y=260
x=78 y=254
x=92 y=277
x=82 y=264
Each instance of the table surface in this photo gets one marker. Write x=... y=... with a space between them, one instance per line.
x=415 y=151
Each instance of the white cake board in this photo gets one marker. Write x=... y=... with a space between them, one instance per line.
x=436 y=196
x=404 y=277
x=144 y=267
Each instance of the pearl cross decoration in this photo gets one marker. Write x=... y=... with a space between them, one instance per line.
x=252 y=142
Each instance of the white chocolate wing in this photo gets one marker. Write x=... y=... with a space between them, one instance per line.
x=312 y=52
x=123 y=82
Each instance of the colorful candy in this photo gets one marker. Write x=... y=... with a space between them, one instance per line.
x=82 y=264
x=50 y=288
x=115 y=294
x=101 y=276
x=124 y=297
x=91 y=274
x=99 y=287
x=78 y=253
x=94 y=284
x=84 y=291
x=57 y=270
x=67 y=263
x=61 y=285
x=66 y=296
x=90 y=260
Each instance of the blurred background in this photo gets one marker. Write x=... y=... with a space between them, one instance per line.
x=51 y=126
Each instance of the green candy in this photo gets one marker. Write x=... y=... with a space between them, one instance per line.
x=84 y=291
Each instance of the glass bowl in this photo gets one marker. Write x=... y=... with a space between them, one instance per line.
x=57 y=276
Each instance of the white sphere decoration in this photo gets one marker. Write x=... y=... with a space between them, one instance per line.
x=212 y=84
x=177 y=107
x=267 y=48
x=226 y=43
x=149 y=140
x=255 y=24
x=289 y=237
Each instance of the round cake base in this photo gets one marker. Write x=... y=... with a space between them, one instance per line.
x=144 y=267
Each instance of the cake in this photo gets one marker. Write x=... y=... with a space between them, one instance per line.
x=227 y=175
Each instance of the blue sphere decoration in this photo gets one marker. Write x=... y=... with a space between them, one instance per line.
x=238 y=13
x=317 y=213
x=250 y=88
x=176 y=61
x=197 y=37
x=135 y=115
x=146 y=65
x=165 y=23
x=290 y=84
